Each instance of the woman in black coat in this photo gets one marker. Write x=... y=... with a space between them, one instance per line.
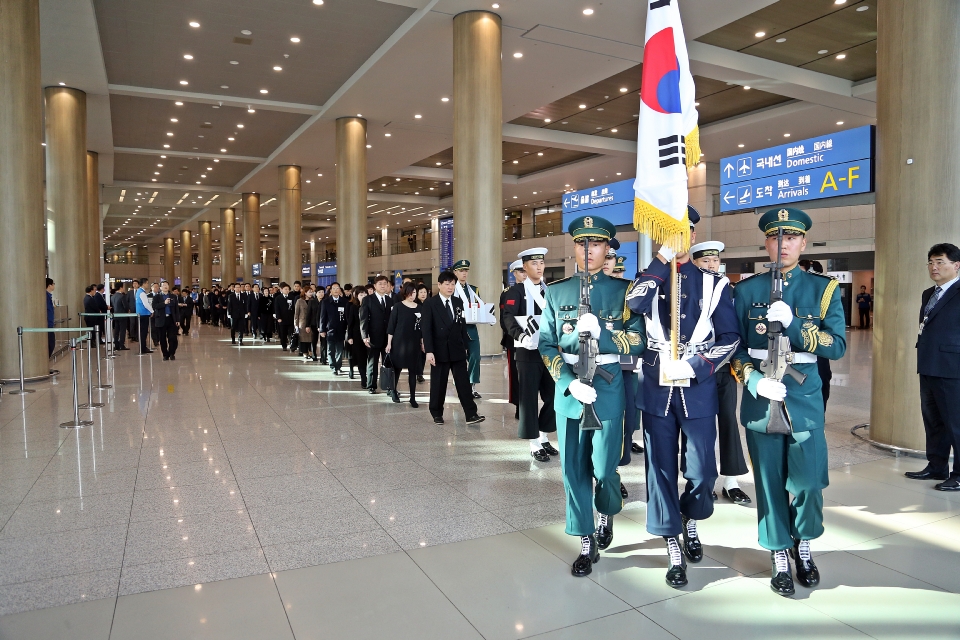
x=355 y=346
x=422 y=294
x=404 y=340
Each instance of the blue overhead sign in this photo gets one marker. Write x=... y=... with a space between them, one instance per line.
x=612 y=201
x=326 y=269
x=824 y=167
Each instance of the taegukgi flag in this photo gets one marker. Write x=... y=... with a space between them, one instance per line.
x=668 y=139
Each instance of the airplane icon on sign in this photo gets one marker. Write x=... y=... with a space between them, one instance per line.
x=744 y=195
x=744 y=167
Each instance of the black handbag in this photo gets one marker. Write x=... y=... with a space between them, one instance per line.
x=388 y=381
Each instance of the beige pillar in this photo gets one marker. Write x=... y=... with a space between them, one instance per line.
x=66 y=127
x=129 y=256
x=186 y=259
x=228 y=247
x=290 y=243
x=477 y=157
x=92 y=235
x=205 y=251
x=21 y=189
x=169 y=273
x=251 y=234
x=918 y=121
x=352 y=200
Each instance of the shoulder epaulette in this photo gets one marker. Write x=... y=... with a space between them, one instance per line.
x=550 y=284
x=822 y=275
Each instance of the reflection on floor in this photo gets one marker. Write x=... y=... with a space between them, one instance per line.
x=240 y=493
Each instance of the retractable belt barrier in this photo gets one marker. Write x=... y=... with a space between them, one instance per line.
x=76 y=422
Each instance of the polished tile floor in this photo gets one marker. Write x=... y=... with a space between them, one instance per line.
x=240 y=493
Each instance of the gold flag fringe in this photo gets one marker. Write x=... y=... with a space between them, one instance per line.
x=660 y=227
x=692 y=141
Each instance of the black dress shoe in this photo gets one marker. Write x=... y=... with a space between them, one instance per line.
x=589 y=555
x=351 y=374
x=395 y=396
x=438 y=420
x=549 y=448
x=420 y=379
x=165 y=358
x=927 y=473
x=477 y=395
x=540 y=455
x=173 y=357
x=636 y=448
x=372 y=390
x=413 y=403
x=677 y=572
x=605 y=532
x=807 y=573
x=737 y=496
x=782 y=582
x=692 y=547
x=953 y=484
x=233 y=342
x=476 y=419
x=623 y=492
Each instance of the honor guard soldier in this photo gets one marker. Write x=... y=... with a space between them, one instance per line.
x=619 y=267
x=680 y=396
x=522 y=314
x=470 y=296
x=631 y=386
x=706 y=255
x=516 y=267
x=789 y=451
x=589 y=390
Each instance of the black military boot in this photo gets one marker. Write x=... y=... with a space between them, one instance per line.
x=782 y=582
x=677 y=571
x=807 y=573
x=692 y=547
x=589 y=554
x=604 y=531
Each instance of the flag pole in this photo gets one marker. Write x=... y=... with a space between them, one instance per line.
x=674 y=310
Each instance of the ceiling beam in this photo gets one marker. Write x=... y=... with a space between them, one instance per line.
x=187 y=154
x=127 y=184
x=212 y=98
x=570 y=141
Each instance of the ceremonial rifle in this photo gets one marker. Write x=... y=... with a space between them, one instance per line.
x=778 y=362
x=586 y=366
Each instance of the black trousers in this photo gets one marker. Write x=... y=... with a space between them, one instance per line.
x=374 y=358
x=237 y=325
x=185 y=323
x=534 y=383
x=438 y=387
x=144 y=330
x=335 y=352
x=732 y=462
x=864 y=318
x=284 y=330
x=358 y=354
x=255 y=326
x=411 y=380
x=120 y=333
x=941 y=421
x=168 y=338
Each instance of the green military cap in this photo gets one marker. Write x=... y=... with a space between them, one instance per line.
x=593 y=227
x=461 y=264
x=620 y=267
x=792 y=221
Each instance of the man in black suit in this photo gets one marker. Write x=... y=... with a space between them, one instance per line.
x=253 y=309
x=119 y=303
x=374 y=314
x=237 y=310
x=445 y=342
x=283 y=314
x=938 y=363
x=166 y=318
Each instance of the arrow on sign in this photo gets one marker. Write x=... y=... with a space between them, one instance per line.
x=727 y=197
x=727 y=169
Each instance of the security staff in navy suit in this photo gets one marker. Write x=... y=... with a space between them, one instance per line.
x=709 y=335
x=938 y=363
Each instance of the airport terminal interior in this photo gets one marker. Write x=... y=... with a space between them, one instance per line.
x=240 y=490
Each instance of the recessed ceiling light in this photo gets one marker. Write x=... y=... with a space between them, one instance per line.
x=786 y=135
x=613 y=130
x=178 y=103
x=516 y=162
x=195 y=24
x=591 y=179
x=495 y=5
x=547 y=120
x=170 y=133
x=239 y=126
x=623 y=89
x=216 y=160
x=163 y=156
x=230 y=139
x=588 y=12
x=740 y=146
x=369 y=146
x=862 y=8
x=62 y=84
x=184 y=82
x=187 y=56
x=223 y=150
x=696 y=104
x=760 y=34
x=839 y=1
x=386 y=135
x=294 y=39
x=518 y=55
x=746 y=88
x=318 y=2
x=583 y=106
x=839 y=122
x=249 y=110
x=781 y=40
x=418 y=116
x=246 y=32
x=277 y=68
x=822 y=51
x=841 y=56
x=263 y=91
x=234 y=62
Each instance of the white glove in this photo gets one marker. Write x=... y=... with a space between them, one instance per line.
x=583 y=393
x=589 y=322
x=677 y=369
x=527 y=342
x=771 y=389
x=667 y=253
x=780 y=312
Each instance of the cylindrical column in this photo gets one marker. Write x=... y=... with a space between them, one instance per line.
x=66 y=128
x=228 y=247
x=168 y=270
x=477 y=157
x=129 y=256
x=186 y=260
x=352 y=200
x=92 y=234
x=251 y=234
x=290 y=244
x=918 y=121
x=21 y=189
x=205 y=251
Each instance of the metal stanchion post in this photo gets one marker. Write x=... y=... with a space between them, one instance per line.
x=100 y=385
x=76 y=423
x=90 y=404
x=21 y=391
x=108 y=324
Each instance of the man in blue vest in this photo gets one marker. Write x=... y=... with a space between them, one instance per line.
x=144 y=311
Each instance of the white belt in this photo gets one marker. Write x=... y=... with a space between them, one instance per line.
x=799 y=357
x=689 y=348
x=603 y=358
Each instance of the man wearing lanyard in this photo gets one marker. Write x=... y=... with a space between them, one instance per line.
x=470 y=296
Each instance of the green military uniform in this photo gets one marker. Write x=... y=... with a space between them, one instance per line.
x=589 y=455
x=794 y=464
x=473 y=336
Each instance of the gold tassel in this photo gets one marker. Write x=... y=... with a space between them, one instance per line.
x=693 y=147
x=660 y=227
